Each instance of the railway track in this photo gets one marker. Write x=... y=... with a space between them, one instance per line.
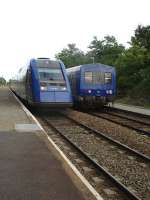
x=64 y=124
x=140 y=116
x=126 y=119
x=131 y=138
x=113 y=141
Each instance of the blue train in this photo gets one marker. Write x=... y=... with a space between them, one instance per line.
x=92 y=84
x=43 y=82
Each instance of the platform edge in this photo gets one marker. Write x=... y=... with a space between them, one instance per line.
x=74 y=169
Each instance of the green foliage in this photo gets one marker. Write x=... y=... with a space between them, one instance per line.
x=133 y=67
x=105 y=51
x=2 y=81
x=72 y=56
x=141 y=37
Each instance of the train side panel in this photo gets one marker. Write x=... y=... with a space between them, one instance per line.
x=19 y=83
x=65 y=95
x=74 y=79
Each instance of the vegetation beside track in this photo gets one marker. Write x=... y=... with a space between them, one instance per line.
x=2 y=81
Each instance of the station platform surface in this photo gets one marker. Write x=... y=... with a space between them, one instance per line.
x=131 y=108
x=28 y=169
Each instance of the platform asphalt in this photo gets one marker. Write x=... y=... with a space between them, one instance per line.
x=131 y=108
x=29 y=170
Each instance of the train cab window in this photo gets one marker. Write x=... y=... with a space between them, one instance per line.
x=47 y=74
x=49 y=70
x=88 y=76
x=98 y=77
x=108 y=77
x=51 y=75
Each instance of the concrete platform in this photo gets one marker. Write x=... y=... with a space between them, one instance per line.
x=131 y=108
x=29 y=169
x=11 y=112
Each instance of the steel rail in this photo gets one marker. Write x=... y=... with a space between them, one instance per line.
x=107 y=108
x=121 y=115
x=143 y=132
x=122 y=187
x=100 y=134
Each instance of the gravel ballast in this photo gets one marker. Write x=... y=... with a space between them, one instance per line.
x=121 y=164
x=124 y=135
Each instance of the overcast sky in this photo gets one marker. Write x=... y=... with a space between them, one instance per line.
x=37 y=28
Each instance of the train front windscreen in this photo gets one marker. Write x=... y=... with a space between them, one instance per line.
x=95 y=78
x=51 y=75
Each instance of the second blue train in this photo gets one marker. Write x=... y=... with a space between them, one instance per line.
x=92 y=84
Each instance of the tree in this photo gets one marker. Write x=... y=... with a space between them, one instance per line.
x=2 y=81
x=130 y=68
x=105 y=51
x=141 y=37
x=72 y=56
x=133 y=66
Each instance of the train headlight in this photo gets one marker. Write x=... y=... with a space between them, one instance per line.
x=64 y=88
x=108 y=91
x=89 y=91
x=43 y=88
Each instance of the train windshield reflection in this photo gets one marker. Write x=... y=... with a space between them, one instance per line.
x=50 y=75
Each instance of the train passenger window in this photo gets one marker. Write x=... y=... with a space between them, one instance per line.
x=108 y=77
x=88 y=76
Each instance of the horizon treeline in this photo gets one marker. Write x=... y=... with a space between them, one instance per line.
x=132 y=64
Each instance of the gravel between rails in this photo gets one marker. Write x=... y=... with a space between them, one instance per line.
x=124 y=135
x=124 y=121
x=119 y=163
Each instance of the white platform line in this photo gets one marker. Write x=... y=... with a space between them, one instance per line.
x=74 y=169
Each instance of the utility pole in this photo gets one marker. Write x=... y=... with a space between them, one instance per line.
x=93 y=59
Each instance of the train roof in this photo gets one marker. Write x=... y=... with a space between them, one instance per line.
x=44 y=58
x=89 y=65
